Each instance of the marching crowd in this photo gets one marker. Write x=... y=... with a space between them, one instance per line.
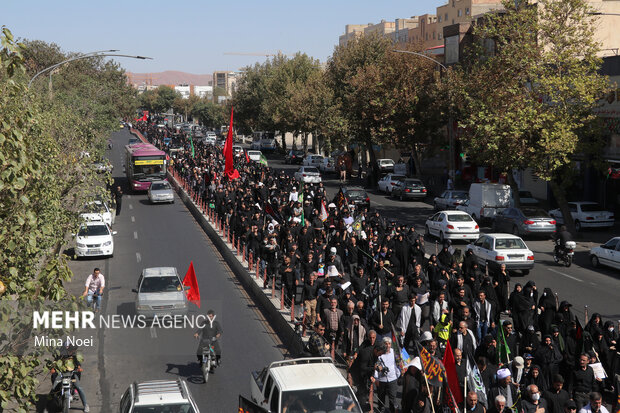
x=370 y=290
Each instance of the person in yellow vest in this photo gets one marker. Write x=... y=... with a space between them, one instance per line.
x=442 y=330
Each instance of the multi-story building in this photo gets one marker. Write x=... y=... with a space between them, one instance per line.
x=352 y=31
x=402 y=27
x=226 y=81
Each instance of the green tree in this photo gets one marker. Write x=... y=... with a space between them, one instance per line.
x=165 y=98
x=526 y=92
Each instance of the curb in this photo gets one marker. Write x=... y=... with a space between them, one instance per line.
x=269 y=307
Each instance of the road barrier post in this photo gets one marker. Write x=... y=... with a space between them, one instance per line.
x=273 y=287
x=250 y=261
x=282 y=297
x=293 y=310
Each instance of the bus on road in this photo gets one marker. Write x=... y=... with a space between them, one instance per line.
x=144 y=163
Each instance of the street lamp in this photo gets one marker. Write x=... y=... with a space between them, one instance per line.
x=102 y=53
x=450 y=121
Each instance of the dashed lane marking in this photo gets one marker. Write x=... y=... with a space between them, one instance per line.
x=130 y=206
x=133 y=219
x=138 y=257
x=135 y=235
x=566 y=275
x=153 y=332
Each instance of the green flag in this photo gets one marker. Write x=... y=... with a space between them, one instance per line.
x=503 y=352
x=263 y=160
x=300 y=198
x=191 y=141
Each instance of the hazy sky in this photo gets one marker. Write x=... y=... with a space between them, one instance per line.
x=193 y=35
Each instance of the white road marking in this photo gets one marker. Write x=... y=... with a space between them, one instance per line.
x=566 y=275
x=133 y=219
x=138 y=257
x=130 y=206
x=135 y=235
x=128 y=196
x=153 y=332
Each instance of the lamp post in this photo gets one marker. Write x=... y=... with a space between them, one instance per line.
x=102 y=53
x=450 y=120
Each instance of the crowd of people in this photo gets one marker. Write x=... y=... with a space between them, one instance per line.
x=368 y=285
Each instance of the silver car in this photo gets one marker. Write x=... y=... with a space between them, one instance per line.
x=161 y=191
x=160 y=293
x=524 y=221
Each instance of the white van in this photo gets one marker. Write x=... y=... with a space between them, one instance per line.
x=313 y=382
x=486 y=200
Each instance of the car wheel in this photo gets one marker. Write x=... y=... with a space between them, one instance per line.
x=594 y=260
x=427 y=232
x=442 y=239
x=578 y=226
x=525 y=272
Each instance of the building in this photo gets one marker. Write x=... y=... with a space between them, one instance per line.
x=352 y=31
x=402 y=27
x=225 y=81
x=184 y=90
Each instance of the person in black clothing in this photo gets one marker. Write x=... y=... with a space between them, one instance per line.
x=382 y=320
x=500 y=282
x=548 y=356
x=556 y=396
x=211 y=330
x=363 y=367
x=118 y=199
x=561 y=237
x=445 y=257
x=547 y=308
x=582 y=382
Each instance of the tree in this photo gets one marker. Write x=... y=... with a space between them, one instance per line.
x=165 y=98
x=527 y=90
x=209 y=113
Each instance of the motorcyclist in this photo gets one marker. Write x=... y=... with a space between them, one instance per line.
x=70 y=362
x=211 y=331
x=560 y=238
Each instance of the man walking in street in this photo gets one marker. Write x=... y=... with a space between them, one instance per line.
x=118 y=199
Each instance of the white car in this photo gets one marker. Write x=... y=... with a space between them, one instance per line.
x=450 y=199
x=255 y=145
x=328 y=165
x=255 y=155
x=385 y=165
x=607 y=254
x=160 y=191
x=586 y=215
x=313 y=160
x=492 y=250
x=268 y=144
x=308 y=175
x=97 y=211
x=94 y=239
x=386 y=184
x=452 y=225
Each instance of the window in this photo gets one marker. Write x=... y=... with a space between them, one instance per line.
x=433 y=35
x=275 y=399
x=467 y=11
x=459 y=12
x=440 y=19
x=446 y=17
x=611 y=244
x=440 y=36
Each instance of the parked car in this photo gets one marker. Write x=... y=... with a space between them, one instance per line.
x=160 y=191
x=308 y=174
x=255 y=155
x=97 y=211
x=388 y=182
x=255 y=145
x=94 y=239
x=313 y=160
x=352 y=195
x=586 y=215
x=210 y=140
x=237 y=150
x=268 y=145
x=158 y=396
x=450 y=199
x=492 y=250
x=328 y=165
x=294 y=156
x=160 y=292
x=524 y=221
x=385 y=165
x=453 y=225
x=607 y=254
x=409 y=188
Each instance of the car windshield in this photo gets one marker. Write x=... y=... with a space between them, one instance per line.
x=460 y=195
x=160 y=186
x=93 y=207
x=534 y=213
x=357 y=194
x=338 y=399
x=311 y=170
x=413 y=183
x=397 y=177
x=167 y=408
x=387 y=161
x=459 y=218
x=160 y=284
x=509 y=244
x=298 y=153
x=591 y=207
x=93 y=230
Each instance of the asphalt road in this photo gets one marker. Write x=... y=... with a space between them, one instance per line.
x=580 y=284
x=167 y=235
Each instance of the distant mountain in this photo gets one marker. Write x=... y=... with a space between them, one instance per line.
x=169 y=77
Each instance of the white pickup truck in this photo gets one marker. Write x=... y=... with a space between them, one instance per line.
x=305 y=384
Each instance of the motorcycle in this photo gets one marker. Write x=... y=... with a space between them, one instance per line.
x=209 y=359
x=564 y=254
x=61 y=395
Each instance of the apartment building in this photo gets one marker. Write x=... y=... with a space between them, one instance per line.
x=226 y=81
x=352 y=31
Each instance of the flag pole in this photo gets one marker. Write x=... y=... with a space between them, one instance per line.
x=465 y=395
x=428 y=388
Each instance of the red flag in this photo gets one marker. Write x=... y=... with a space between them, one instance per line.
x=190 y=281
x=247 y=158
x=229 y=168
x=453 y=379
